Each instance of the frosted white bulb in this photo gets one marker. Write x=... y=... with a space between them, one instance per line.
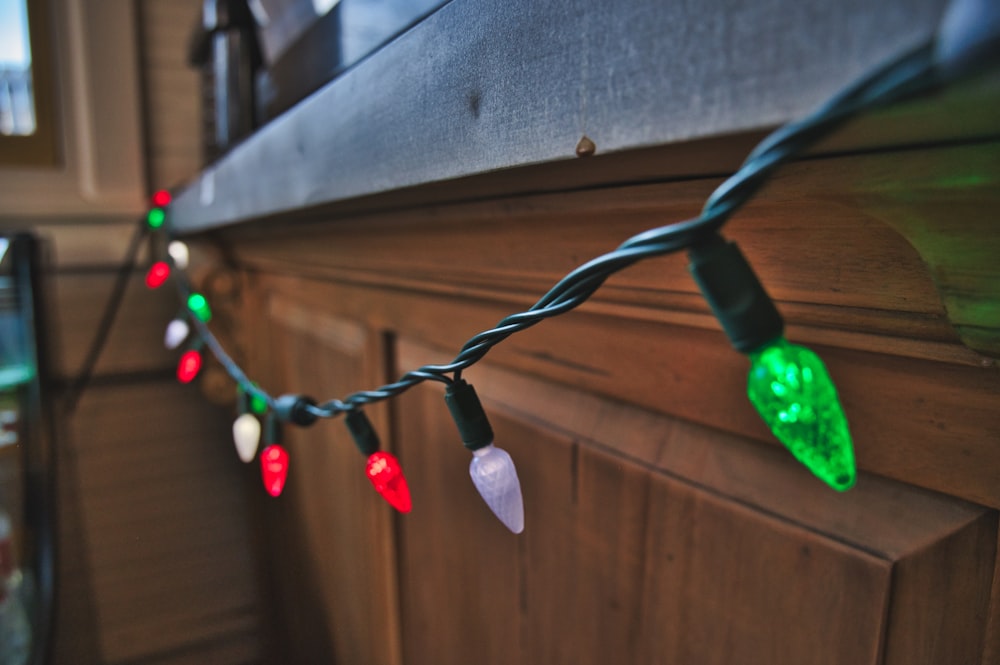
x=246 y=435
x=178 y=251
x=495 y=477
x=177 y=332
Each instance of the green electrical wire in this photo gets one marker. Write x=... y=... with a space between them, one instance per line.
x=911 y=73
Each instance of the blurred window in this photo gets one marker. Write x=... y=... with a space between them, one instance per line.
x=26 y=131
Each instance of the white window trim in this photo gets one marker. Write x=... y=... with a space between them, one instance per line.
x=97 y=118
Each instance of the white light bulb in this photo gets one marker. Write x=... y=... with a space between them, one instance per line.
x=246 y=435
x=178 y=251
x=177 y=332
x=495 y=477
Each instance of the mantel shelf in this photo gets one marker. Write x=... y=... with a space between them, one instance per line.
x=480 y=88
x=481 y=101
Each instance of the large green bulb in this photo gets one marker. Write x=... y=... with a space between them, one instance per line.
x=794 y=395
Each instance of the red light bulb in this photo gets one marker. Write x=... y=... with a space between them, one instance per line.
x=157 y=275
x=387 y=476
x=274 y=468
x=188 y=367
x=161 y=198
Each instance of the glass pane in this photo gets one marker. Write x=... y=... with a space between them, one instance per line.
x=24 y=554
x=17 y=106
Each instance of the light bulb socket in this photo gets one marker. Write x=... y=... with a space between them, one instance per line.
x=968 y=38
x=272 y=430
x=295 y=409
x=469 y=415
x=365 y=436
x=736 y=296
x=242 y=402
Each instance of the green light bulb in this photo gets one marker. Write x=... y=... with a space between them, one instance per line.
x=793 y=393
x=199 y=307
x=258 y=404
x=155 y=218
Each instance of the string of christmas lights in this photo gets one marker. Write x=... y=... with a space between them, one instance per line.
x=787 y=384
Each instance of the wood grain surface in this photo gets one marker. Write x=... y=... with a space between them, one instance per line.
x=345 y=570
x=663 y=521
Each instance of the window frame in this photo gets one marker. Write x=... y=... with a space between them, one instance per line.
x=38 y=149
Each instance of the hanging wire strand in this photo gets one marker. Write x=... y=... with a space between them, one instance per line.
x=231 y=366
x=910 y=74
x=115 y=299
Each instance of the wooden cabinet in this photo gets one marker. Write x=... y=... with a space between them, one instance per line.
x=329 y=536
x=663 y=523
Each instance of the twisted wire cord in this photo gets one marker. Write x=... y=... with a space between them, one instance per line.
x=911 y=73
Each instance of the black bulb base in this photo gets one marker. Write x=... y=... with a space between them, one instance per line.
x=365 y=436
x=469 y=415
x=733 y=291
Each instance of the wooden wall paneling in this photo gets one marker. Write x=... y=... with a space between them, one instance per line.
x=87 y=244
x=138 y=550
x=75 y=635
x=624 y=562
x=942 y=206
x=135 y=342
x=165 y=530
x=127 y=581
x=298 y=615
x=658 y=431
x=460 y=588
x=929 y=607
x=343 y=545
x=736 y=466
x=928 y=423
x=294 y=620
x=243 y=648
x=152 y=570
x=172 y=90
x=991 y=641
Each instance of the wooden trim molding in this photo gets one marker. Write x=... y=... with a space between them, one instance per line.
x=890 y=252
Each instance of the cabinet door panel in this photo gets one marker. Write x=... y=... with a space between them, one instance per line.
x=330 y=536
x=459 y=586
x=627 y=559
